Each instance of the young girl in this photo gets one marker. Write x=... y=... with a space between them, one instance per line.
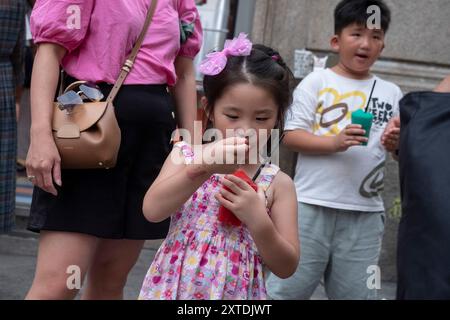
x=202 y=257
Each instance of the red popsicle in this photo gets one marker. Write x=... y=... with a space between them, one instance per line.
x=225 y=215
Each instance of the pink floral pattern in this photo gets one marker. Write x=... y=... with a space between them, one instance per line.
x=201 y=258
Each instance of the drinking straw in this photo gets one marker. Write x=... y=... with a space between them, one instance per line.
x=370 y=96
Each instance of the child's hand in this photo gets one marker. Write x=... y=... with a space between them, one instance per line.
x=352 y=135
x=391 y=136
x=222 y=156
x=243 y=201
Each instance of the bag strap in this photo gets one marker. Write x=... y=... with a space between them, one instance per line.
x=126 y=68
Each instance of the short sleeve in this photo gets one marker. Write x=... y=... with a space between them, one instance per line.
x=188 y=14
x=64 y=22
x=301 y=114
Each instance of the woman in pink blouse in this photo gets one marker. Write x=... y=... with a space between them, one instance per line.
x=92 y=219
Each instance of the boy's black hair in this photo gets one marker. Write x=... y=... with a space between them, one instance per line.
x=348 y=12
x=264 y=68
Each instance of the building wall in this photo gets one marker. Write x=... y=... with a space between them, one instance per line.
x=417 y=57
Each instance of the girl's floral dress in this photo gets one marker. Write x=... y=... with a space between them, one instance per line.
x=202 y=258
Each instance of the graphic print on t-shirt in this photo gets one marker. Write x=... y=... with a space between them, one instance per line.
x=382 y=111
x=333 y=112
x=373 y=184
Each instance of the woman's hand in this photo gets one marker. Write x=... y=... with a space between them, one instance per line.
x=225 y=156
x=246 y=203
x=44 y=163
x=391 y=136
x=352 y=135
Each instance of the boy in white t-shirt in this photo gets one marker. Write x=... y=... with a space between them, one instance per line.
x=339 y=180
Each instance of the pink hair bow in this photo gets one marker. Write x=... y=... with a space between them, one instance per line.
x=215 y=62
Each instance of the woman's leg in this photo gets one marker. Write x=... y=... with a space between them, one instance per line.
x=62 y=257
x=108 y=274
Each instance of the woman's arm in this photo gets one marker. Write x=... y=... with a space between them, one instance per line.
x=276 y=237
x=43 y=86
x=185 y=93
x=43 y=160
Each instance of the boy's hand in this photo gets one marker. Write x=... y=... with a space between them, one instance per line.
x=224 y=155
x=352 y=135
x=391 y=136
x=243 y=201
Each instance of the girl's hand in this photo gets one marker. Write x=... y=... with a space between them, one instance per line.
x=391 y=136
x=243 y=201
x=352 y=135
x=223 y=156
x=44 y=163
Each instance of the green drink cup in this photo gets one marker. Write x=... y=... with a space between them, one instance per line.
x=365 y=120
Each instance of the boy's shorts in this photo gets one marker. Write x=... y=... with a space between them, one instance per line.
x=340 y=246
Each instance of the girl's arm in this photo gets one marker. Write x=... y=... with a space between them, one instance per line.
x=174 y=185
x=185 y=93
x=177 y=181
x=276 y=237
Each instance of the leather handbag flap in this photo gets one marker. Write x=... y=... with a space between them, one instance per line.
x=82 y=117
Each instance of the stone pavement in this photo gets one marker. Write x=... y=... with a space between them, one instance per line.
x=18 y=260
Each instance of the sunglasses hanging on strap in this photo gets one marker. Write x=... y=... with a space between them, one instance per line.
x=87 y=91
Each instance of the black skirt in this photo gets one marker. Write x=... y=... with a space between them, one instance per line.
x=108 y=203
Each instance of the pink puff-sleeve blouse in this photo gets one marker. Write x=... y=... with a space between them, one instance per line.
x=99 y=35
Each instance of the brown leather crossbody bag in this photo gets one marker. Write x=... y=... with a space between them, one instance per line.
x=88 y=137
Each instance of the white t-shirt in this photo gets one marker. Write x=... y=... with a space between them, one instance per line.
x=350 y=180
